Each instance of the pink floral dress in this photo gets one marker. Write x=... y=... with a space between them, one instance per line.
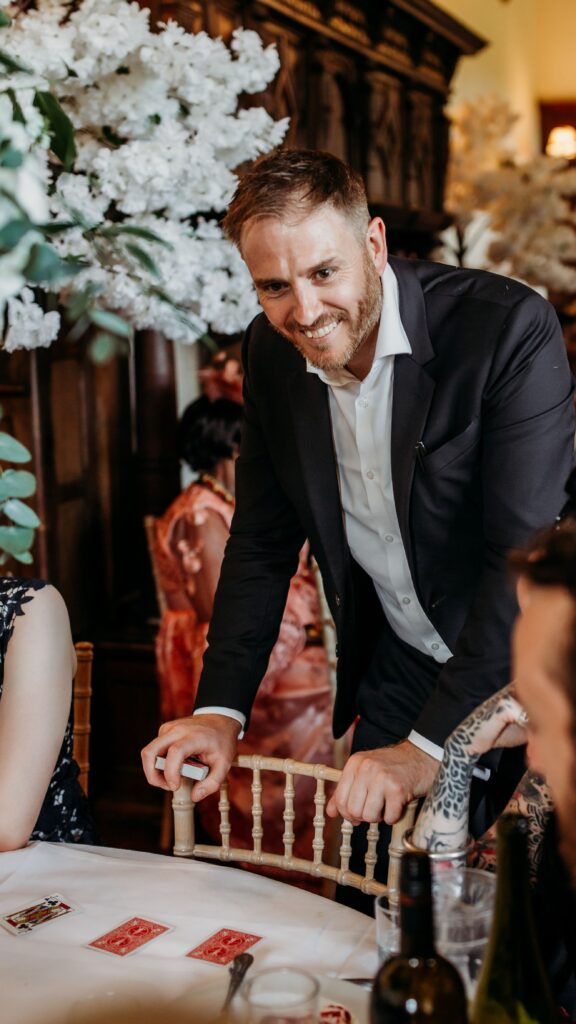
x=293 y=709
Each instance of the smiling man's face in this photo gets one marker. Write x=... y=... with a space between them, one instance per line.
x=318 y=282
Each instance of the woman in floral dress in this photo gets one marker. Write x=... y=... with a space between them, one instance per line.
x=40 y=796
x=293 y=709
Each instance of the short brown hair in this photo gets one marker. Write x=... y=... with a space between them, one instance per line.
x=296 y=180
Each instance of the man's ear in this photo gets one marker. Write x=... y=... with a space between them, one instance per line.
x=376 y=244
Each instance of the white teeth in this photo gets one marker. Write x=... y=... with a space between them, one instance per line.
x=322 y=331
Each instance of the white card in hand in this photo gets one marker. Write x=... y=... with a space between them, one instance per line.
x=191 y=769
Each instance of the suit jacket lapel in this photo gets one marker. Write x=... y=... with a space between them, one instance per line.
x=313 y=430
x=412 y=393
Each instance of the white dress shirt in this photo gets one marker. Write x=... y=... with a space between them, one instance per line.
x=361 y=414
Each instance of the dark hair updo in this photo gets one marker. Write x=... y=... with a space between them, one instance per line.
x=209 y=431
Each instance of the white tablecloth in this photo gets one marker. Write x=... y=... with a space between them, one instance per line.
x=49 y=976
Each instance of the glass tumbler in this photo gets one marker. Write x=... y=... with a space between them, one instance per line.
x=281 y=995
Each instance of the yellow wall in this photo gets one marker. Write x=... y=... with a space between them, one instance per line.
x=531 y=56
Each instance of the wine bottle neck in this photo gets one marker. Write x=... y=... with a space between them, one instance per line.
x=416 y=927
x=513 y=911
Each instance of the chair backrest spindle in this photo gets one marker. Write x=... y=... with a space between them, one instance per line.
x=81 y=696
x=185 y=845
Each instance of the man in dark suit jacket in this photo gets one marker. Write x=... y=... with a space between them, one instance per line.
x=415 y=422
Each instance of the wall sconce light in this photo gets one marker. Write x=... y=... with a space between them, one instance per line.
x=561 y=142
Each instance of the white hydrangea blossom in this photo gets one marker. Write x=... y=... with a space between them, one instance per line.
x=159 y=135
x=28 y=325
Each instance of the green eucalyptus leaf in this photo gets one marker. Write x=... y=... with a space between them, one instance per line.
x=20 y=513
x=11 y=158
x=12 y=450
x=110 y=322
x=13 y=232
x=44 y=264
x=131 y=229
x=17 y=483
x=56 y=227
x=60 y=128
x=143 y=258
x=17 y=112
x=16 y=539
x=23 y=556
x=12 y=65
x=103 y=347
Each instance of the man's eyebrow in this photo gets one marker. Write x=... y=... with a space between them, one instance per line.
x=260 y=282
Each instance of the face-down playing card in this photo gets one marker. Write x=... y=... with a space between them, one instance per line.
x=223 y=946
x=20 y=922
x=129 y=936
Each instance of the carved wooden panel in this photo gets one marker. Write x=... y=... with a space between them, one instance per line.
x=421 y=169
x=385 y=173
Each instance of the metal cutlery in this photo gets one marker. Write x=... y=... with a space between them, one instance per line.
x=237 y=969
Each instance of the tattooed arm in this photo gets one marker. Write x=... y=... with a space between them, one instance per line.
x=442 y=824
x=531 y=800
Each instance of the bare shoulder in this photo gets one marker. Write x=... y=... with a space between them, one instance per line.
x=43 y=627
x=44 y=603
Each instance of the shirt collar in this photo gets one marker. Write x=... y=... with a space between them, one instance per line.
x=392 y=339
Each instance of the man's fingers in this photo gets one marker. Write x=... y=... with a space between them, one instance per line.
x=394 y=808
x=154 y=777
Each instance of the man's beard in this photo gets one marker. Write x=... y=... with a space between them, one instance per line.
x=359 y=327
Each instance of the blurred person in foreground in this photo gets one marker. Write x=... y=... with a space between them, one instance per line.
x=293 y=709
x=539 y=708
x=40 y=795
x=415 y=422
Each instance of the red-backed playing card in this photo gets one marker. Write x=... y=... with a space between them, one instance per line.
x=222 y=947
x=129 y=936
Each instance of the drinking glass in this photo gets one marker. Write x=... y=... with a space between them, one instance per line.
x=463 y=908
x=281 y=995
x=387 y=926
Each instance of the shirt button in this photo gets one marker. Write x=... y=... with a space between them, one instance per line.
x=362 y=403
x=435 y=646
x=370 y=474
x=405 y=600
x=389 y=538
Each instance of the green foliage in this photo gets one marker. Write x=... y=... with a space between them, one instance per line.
x=59 y=126
x=11 y=450
x=17 y=535
x=17 y=483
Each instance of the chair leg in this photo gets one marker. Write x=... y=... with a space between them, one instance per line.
x=167 y=825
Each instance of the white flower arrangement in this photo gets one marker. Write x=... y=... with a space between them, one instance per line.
x=118 y=147
x=515 y=218
x=158 y=135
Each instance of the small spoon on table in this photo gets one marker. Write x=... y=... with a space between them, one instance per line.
x=238 y=968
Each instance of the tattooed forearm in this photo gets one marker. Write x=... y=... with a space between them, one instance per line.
x=442 y=824
x=532 y=800
x=443 y=821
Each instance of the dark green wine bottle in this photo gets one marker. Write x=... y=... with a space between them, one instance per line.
x=418 y=986
x=513 y=987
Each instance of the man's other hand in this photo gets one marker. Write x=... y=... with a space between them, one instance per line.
x=211 y=739
x=377 y=784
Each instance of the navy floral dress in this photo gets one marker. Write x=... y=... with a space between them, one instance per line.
x=64 y=816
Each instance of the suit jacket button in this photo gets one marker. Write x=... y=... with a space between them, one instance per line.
x=338 y=600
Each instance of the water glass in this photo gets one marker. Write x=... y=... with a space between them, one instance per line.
x=463 y=908
x=387 y=926
x=281 y=995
